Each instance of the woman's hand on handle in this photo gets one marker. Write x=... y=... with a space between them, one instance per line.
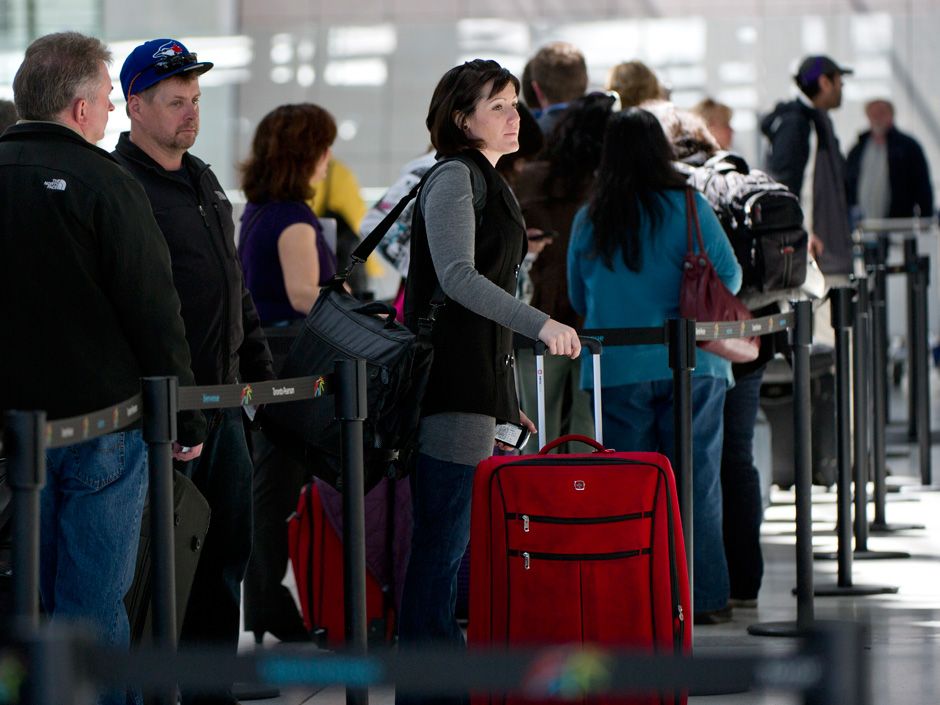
x=560 y=339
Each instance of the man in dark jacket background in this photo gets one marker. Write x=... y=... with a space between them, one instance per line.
x=88 y=306
x=161 y=85
x=805 y=156
x=888 y=176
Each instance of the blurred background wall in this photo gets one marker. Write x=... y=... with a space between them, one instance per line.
x=374 y=63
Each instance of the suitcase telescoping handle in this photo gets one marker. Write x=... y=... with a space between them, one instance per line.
x=592 y=344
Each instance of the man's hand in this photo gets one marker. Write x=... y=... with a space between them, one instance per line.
x=815 y=245
x=184 y=453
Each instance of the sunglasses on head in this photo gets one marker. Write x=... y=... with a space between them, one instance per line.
x=171 y=63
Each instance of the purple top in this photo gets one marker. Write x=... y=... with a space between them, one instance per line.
x=262 y=225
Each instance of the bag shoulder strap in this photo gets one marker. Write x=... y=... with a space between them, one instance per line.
x=372 y=240
x=692 y=222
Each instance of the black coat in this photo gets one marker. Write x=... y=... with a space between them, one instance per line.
x=86 y=292
x=222 y=326
x=908 y=174
x=473 y=367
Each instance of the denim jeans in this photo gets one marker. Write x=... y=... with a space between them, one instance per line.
x=223 y=474
x=441 y=494
x=740 y=488
x=90 y=528
x=638 y=417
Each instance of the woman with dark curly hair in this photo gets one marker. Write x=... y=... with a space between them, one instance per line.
x=286 y=260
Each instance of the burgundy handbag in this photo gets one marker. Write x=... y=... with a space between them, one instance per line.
x=704 y=298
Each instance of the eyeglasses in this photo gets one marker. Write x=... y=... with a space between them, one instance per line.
x=171 y=63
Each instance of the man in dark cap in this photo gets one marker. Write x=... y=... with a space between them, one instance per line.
x=804 y=155
x=160 y=80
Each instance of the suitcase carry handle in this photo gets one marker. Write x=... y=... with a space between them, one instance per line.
x=587 y=343
x=571 y=438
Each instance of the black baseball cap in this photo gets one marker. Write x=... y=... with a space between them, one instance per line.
x=812 y=67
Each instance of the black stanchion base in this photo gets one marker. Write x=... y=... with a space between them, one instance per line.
x=893 y=528
x=863 y=555
x=250 y=691
x=853 y=590
x=787 y=629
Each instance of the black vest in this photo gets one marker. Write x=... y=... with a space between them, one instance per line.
x=473 y=361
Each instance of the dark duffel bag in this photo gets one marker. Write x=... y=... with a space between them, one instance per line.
x=339 y=326
x=397 y=364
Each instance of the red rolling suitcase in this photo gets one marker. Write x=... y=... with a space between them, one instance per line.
x=579 y=548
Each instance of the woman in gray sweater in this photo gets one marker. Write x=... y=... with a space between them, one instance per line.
x=468 y=240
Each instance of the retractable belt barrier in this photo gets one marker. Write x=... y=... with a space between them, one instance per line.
x=680 y=336
x=27 y=435
x=829 y=667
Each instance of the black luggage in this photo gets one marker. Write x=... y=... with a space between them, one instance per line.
x=776 y=400
x=190 y=525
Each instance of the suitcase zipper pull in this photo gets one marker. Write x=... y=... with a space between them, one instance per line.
x=525 y=523
x=525 y=560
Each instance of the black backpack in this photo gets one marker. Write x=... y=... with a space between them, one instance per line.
x=763 y=221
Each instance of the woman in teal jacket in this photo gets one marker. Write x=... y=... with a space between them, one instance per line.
x=624 y=271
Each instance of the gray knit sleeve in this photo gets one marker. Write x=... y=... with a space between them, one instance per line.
x=447 y=204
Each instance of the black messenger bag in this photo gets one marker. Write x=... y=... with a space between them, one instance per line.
x=339 y=326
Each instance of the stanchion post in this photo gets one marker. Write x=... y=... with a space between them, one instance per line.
x=910 y=269
x=351 y=408
x=921 y=366
x=879 y=392
x=801 y=338
x=159 y=430
x=861 y=370
x=680 y=336
x=840 y=301
x=24 y=440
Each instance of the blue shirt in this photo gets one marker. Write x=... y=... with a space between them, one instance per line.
x=620 y=298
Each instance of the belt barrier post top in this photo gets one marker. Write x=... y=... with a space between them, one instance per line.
x=540 y=347
x=840 y=301
x=680 y=337
x=351 y=399
x=802 y=331
x=161 y=403
x=24 y=440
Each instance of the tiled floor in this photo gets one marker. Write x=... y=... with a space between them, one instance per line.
x=904 y=627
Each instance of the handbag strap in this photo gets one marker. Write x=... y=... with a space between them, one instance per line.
x=692 y=221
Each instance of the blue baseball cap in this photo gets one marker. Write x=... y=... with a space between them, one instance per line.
x=156 y=60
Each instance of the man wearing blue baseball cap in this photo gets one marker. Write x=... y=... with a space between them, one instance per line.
x=160 y=80
x=805 y=155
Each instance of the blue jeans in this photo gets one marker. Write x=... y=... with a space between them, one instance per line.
x=740 y=488
x=638 y=417
x=441 y=494
x=90 y=528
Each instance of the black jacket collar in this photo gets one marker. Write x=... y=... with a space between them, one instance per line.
x=51 y=131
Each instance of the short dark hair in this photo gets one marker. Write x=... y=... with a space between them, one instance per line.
x=57 y=69
x=288 y=144
x=528 y=92
x=561 y=72
x=8 y=114
x=811 y=88
x=456 y=96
